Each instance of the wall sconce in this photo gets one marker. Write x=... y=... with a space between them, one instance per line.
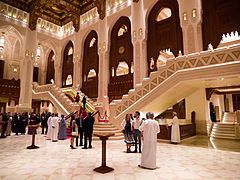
x=194 y=13
x=104 y=45
x=134 y=34
x=32 y=55
x=140 y=32
x=15 y=70
x=184 y=16
x=2 y=41
x=38 y=51
x=27 y=53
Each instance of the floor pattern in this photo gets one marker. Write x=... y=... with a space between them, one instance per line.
x=194 y=158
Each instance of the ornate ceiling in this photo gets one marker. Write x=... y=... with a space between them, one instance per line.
x=59 y=12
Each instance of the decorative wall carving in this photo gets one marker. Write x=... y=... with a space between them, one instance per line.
x=101 y=7
x=50 y=68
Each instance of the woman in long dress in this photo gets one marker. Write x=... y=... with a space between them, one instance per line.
x=175 y=132
x=63 y=129
x=9 y=125
x=128 y=132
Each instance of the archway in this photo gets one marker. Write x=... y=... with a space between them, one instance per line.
x=90 y=65
x=121 y=50
x=164 y=31
x=50 y=68
x=67 y=68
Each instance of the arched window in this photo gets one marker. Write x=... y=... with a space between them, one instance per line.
x=121 y=59
x=163 y=14
x=90 y=65
x=70 y=51
x=123 y=30
x=67 y=66
x=91 y=74
x=164 y=31
x=69 y=80
x=92 y=42
x=122 y=69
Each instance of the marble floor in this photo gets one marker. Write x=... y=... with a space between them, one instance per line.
x=194 y=158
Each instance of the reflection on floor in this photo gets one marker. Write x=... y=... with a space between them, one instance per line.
x=218 y=144
x=56 y=161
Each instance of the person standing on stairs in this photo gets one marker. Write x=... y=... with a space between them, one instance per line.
x=84 y=101
x=77 y=97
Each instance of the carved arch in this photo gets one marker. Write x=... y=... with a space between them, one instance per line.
x=90 y=61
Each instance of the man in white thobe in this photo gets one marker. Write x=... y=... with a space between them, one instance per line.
x=150 y=129
x=175 y=132
x=49 y=131
x=55 y=121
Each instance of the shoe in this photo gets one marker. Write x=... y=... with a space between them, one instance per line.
x=140 y=151
x=135 y=151
x=90 y=147
x=128 y=151
x=84 y=148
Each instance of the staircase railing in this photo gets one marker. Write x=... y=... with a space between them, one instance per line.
x=195 y=60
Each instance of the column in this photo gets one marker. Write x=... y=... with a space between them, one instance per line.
x=139 y=43
x=103 y=76
x=58 y=71
x=197 y=102
x=191 y=23
x=25 y=100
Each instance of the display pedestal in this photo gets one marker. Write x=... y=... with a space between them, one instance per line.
x=3 y=123
x=34 y=128
x=104 y=136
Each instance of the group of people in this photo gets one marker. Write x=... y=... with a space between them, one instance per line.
x=17 y=122
x=135 y=128
x=82 y=125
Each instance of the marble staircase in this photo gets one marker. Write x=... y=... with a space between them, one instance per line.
x=229 y=117
x=107 y=127
x=224 y=131
x=178 y=78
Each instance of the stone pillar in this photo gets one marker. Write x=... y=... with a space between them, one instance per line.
x=103 y=75
x=58 y=71
x=230 y=102
x=25 y=100
x=197 y=102
x=139 y=43
x=76 y=70
x=11 y=107
x=191 y=23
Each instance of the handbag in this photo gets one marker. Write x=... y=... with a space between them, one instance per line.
x=74 y=133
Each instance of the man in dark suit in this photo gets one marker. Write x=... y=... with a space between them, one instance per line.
x=79 y=122
x=88 y=130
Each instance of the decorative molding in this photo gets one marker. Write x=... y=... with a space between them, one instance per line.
x=101 y=8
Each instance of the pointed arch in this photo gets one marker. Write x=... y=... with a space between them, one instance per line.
x=90 y=61
x=163 y=34
x=50 y=67
x=67 y=65
x=121 y=49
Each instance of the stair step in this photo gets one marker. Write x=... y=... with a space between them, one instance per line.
x=105 y=129
x=222 y=137
x=103 y=126
x=223 y=134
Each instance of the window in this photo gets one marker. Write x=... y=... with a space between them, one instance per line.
x=69 y=80
x=91 y=74
x=164 y=13
x=70 y=51
x=122 y=69
x=92 y=42
x=122 y=30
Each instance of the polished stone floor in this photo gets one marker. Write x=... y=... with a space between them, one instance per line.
x=194 y=158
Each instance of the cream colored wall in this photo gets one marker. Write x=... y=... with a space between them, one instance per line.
x=197 y=102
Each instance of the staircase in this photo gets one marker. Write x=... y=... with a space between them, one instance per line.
x=107 y=127
x=224 y=131
x=229 y=117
